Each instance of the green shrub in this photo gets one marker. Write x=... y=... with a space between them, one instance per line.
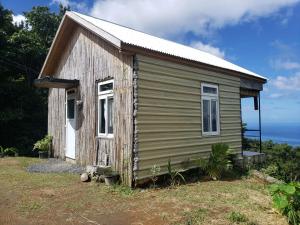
x=286 y=199
x=43 y=144
x=285 y=158
x=174 y=174
x=281 y=156
x=218 y=161
x=271 y=170
x=237 y=217
x=11 y=151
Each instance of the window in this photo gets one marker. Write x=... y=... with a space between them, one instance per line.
x=210 y=109
x=105 y=108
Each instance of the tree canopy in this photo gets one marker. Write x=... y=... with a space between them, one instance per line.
x=23 y=49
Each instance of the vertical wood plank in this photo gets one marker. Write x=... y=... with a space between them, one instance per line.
x=90 y=59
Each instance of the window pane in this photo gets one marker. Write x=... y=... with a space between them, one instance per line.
x=206 y=116
x=102 y=115
x=71 y=108
x=209 y=90
x=110 y=101
x=106 y=87
x=214 y=115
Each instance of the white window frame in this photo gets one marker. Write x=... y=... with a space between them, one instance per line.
x=210 y=97
x=104 y=95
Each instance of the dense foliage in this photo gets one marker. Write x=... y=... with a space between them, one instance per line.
x=43 y=144
x=282 y=160
x=23 y=48
x=286 y=199
x=218 y=161
x=8 y=151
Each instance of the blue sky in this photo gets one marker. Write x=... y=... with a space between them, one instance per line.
x=262 y=36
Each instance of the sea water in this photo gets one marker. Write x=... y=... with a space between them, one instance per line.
x=279 y=132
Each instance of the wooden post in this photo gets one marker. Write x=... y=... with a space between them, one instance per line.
x=259 y=112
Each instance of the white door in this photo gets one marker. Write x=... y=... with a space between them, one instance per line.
x=70 y=124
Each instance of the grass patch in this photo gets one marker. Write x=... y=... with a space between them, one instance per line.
x=74 y=205
x=195 y=217
x=252 y=223
x=122 y=190
x=24 y=162
x=28 y=207
x=68 y=199
x=237 y=217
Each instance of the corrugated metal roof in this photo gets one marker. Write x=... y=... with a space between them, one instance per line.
x=140 y=39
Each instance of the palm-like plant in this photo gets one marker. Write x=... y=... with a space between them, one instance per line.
x=174 y=174
x=218 y=161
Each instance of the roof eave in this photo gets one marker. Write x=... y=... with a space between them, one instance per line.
x=51 y=47
x=96 y=30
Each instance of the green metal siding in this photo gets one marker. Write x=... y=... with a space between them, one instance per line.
x=168 y=120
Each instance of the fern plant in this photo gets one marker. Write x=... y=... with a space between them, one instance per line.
x=218 y=161
x=174 y=174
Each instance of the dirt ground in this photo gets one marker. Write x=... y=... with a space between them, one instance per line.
x=35 y=198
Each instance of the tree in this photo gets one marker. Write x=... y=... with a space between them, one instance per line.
x=23 y=48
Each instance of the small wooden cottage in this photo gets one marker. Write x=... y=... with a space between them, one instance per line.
x=122 y=98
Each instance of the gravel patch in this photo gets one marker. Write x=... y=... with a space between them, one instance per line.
x=55 y=166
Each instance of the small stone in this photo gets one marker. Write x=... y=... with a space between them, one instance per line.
x=84 y=177
x=101 y=178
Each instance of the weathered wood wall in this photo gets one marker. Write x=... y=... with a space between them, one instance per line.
x=168 y=120
x=88 y=58
x=56 y=120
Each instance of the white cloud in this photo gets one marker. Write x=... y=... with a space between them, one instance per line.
x=286 y=64
x=290 y=83
x=17 y=19
x=276 y=95
x=208 y=48
x=63 y=2
x=77 y=6
x=285 y=57
x=173 y=17
x=286 y=17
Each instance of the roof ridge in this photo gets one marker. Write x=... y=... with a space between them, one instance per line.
x=174 y=42
x=107 y=21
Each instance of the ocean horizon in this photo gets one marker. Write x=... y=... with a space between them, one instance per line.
x=279 y=132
